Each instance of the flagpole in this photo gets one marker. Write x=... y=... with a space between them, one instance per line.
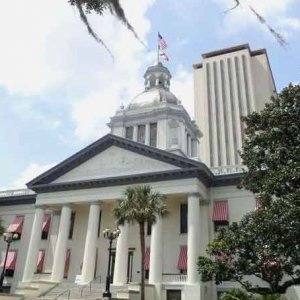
x=157 y=49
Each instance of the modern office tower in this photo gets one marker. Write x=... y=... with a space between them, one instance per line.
x=229 y=83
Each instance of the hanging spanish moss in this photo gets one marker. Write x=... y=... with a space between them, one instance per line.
x=99 y=7
x=279 y=38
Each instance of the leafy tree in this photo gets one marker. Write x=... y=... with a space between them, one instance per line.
x=266 y=242
x=238 y=294
x=140 y=205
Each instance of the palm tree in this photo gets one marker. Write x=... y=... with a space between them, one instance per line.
x=140 y=205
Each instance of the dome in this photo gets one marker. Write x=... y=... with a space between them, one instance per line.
x=152 y=97
x=157 y=83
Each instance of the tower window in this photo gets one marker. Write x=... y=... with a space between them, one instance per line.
x=141 y=134
x=153 y=134
x=129 y=133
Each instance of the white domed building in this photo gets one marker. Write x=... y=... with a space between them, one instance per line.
x=60 y=217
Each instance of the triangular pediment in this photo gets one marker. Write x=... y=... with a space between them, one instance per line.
x=110 y=157
x=112 y=162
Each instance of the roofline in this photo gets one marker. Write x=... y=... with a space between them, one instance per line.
x=18 y=200
x=235 y=49
x=107 y=141
x=214 y=181
x=226 y=50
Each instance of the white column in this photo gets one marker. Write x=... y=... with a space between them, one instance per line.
x=89 y=256
x=120 y=272
x=193 y=239
x=155 y=270
x=147 y=134
x=61 y=244
x=135 y=133
x=33 y=248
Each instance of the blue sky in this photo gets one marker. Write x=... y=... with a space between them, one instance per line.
x=58 y=87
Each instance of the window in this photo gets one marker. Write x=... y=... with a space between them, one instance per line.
x=141 y=134
x=16 y=226
x=183 y=217
x=9 y=273
x=129 y=133
x=46 y=226
x=149 y=228
x=72 y=225
x=44 y=235
x=220 y=225
x=153 y=134
x=146 y=274
x=10 y=263
x=220 y=214
x=99 y=223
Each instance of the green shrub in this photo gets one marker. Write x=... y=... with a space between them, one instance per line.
x=237 y=294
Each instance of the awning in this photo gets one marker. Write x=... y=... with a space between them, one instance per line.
x=221 y=212
x=147 y=259
x=11 y=261
x=67 y=262
x=182 y=260
x=46 y=222
x=17 y=225
x=40 y=262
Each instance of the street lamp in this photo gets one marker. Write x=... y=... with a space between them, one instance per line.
x=8 y=238
x=110 y=235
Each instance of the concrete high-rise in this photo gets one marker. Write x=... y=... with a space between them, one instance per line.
x=229 y=83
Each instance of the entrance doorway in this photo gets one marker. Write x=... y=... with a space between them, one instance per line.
x=112 y=260
x=130 y=265
x=173 y=294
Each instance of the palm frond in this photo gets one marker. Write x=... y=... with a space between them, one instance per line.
x=84 y=19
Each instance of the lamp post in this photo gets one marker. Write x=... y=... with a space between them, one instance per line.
x=110 y=235
x=8 y=238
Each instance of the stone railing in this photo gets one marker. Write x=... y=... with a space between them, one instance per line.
x=227 y=170
x=15 y=193
x=174 y=278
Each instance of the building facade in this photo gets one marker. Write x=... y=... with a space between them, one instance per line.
x=229 y=83
x=60 y=217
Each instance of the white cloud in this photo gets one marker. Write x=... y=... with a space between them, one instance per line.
x=46 y=46
x=30 y=172
x=182 y=86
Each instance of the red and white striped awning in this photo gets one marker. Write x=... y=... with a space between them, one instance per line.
x=147 y=259
x=220 y=212
x=67 y=262
x=17 y=225
x=182 y=260
x=46 y=222
x=41 y=259
x=10 y=261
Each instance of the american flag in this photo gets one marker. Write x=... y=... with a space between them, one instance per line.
x=164 y=55
x=161 y=42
